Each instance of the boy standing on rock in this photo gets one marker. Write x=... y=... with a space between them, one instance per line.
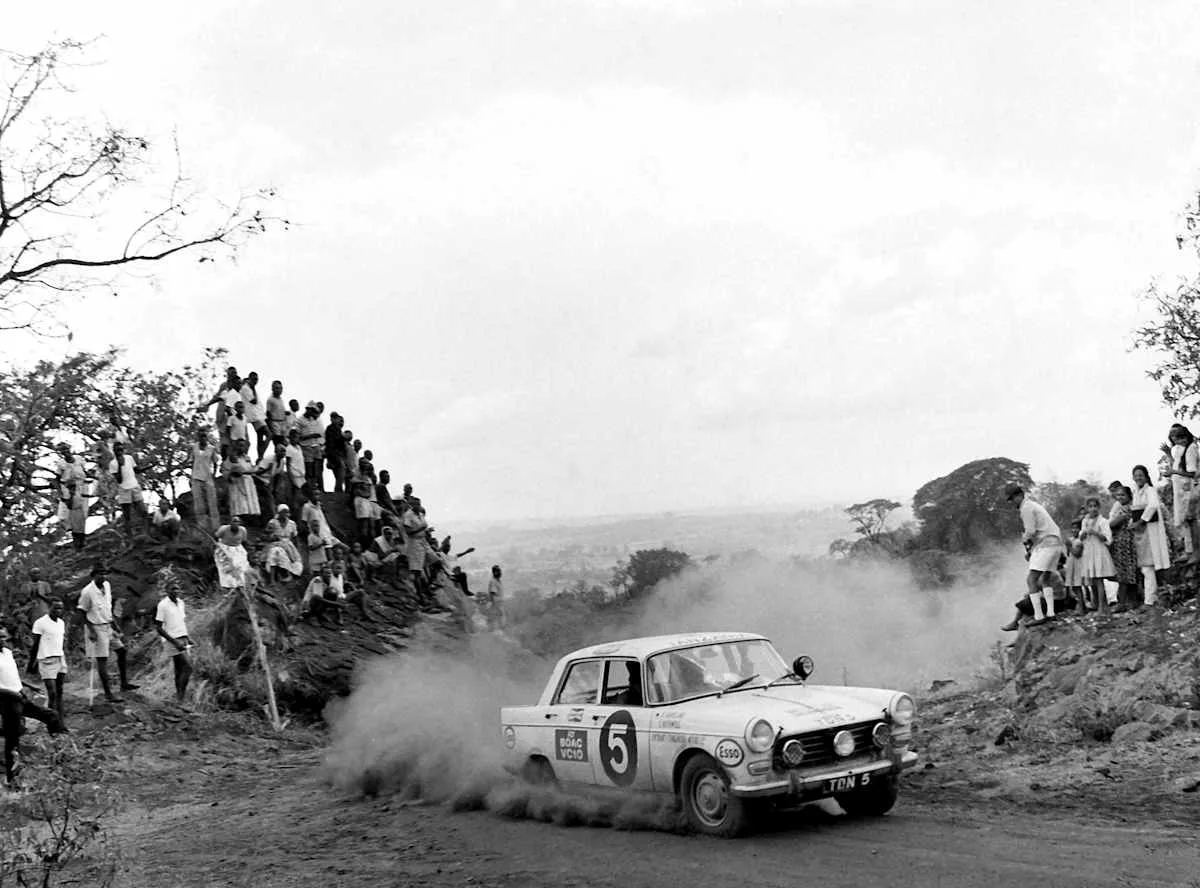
x=47 y=655
x=96 y=614
x=170 y=620
x=14 y=707
x=1043 y=545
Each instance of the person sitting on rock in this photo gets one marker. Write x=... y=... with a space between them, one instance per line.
x=384 y=555
x=356 y=565
x=320 y=597
x=165 y=522
x=281 y=556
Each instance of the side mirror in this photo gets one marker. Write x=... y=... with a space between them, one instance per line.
x=803 y=667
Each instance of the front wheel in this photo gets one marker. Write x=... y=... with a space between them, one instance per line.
x=708 y=805
x=873 y=801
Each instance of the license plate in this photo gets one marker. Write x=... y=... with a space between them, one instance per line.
x=843 y=784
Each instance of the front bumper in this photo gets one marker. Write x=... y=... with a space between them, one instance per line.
x=812 y=786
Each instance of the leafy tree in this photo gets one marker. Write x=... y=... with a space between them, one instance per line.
x=1173 y=336
x=966 y=509
x=71 y=401
x=840 y=548
x=870 y=518
x=38 y=408
x=80 y=199
x=647 y=568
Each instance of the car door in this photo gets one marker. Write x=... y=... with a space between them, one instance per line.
x=573 y=740
x=619 y=724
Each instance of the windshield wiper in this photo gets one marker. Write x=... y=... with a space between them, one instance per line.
x=741 y=682
x=783 y=677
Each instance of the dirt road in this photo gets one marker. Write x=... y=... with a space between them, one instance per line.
x=265 y=818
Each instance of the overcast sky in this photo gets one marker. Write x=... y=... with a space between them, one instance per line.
x=567 y=257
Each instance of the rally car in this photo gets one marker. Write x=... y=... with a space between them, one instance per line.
x=718 y=720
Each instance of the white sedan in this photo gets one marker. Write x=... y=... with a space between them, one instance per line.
x=718 y=720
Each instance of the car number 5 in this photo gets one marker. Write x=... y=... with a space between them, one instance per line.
x=619 y=748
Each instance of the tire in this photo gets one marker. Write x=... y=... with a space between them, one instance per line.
x=874 y=801
x=537 y=772
x=709 y=807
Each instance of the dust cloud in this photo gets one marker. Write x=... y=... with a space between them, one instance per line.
x=423 y=725
x=863 y=622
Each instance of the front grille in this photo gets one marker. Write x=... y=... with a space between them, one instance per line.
x=818 y=745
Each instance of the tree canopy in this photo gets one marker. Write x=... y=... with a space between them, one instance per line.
x=1173 y=336
x=870 y=518
x=646 y=568
x=81 y=198
x=964 y=510
x=71 y=401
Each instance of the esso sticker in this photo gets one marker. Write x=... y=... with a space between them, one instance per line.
x=729 y=753
x=510 y=737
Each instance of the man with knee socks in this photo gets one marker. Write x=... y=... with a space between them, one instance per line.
x=1044 y=548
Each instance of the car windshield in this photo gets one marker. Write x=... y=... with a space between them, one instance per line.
x=710 y=668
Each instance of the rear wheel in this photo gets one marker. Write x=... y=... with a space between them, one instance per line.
x=708 y=805
x=874 y=800
x=537 y=771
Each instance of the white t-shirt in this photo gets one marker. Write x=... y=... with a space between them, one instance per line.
x=161 y=517
x=129 y=479
x=96 y=603
x=10 y=675
x=254 y=409
x=52 y=633
x=171 y=615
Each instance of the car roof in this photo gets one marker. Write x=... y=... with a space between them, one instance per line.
x=653 y=644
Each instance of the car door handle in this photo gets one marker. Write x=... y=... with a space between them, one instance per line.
x=551 y=715
x=595 y=718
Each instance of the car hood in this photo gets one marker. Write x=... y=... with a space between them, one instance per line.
x=792 y=708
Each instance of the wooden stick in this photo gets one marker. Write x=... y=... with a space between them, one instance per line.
x=272 y=709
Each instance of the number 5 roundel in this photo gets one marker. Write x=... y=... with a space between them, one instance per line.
x=618 y=748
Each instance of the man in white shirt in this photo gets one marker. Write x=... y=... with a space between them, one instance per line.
x=14 y=708
x=205 y=466
x=166 y=520
x=1043 y=549
x=101 y=636
x=47 y=656
x=129 y=489
x=171 y=622
x=256 y=414
x=494 y=602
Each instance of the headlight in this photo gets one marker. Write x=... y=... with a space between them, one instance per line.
x=843 y=743
x=902 y=709
x=759 y=735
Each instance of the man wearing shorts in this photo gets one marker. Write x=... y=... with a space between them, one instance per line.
x=100 y=635
x=1043 y=547
x=14 y=709
x=171 y=623
x=47 y=655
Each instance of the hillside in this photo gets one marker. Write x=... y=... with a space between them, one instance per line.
x=1098 y=716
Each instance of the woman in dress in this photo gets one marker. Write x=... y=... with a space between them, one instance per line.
x=1185 y=464
x=233 y=565
x=243 y=497
x=1097 y=563
x=1153 y=550
x=1124 y=547
x=281 y=552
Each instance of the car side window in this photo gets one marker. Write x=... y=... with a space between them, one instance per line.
x=581 y=686
x=622 y=683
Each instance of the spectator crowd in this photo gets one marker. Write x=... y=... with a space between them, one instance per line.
x=265 y=470
x=1149 y=528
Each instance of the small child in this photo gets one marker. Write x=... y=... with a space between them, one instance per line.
x=237 y=424
x=1097 y=563
x=1073 y=569
x=318 y=552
